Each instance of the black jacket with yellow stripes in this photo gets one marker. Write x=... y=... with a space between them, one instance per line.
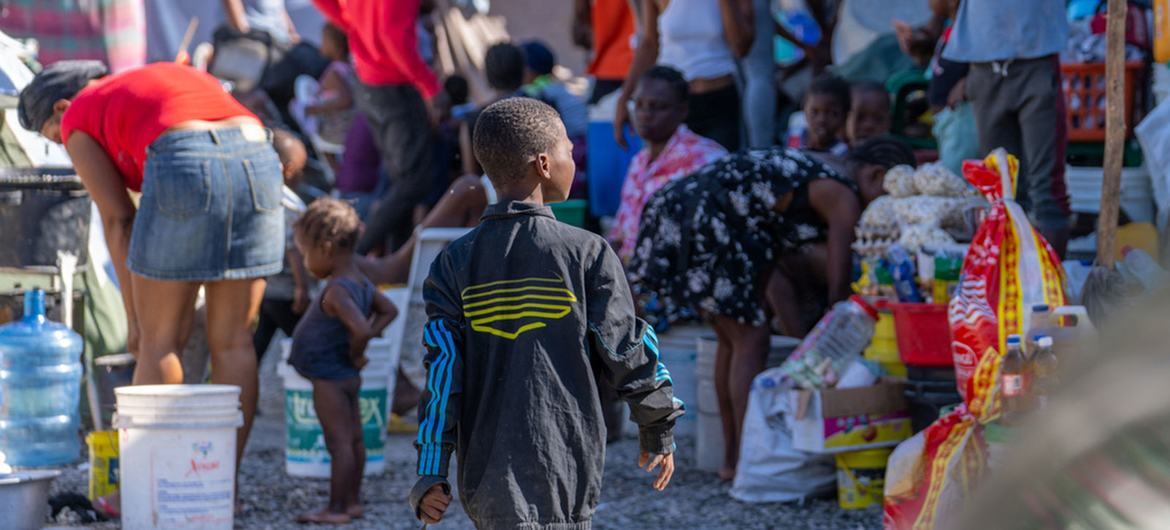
x=526 y=314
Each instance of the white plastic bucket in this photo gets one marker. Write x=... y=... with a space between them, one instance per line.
x=177 y=469
x=709 y=425
x=677 y=349
x=305 y=454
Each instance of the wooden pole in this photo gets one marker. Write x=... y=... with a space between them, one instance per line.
x=1115 y=128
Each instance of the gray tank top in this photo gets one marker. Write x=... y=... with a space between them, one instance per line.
x=320 y=342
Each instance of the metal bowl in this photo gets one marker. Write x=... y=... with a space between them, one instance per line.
x=24 y=498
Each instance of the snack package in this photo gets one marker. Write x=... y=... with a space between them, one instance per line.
x=901 y=264
x=1008 y=268
x=947 y=268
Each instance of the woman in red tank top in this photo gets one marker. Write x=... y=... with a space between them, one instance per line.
x=209 y=215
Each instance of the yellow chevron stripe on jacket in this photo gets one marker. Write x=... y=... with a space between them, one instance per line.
x=538 y=296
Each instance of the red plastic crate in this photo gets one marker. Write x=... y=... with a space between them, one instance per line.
x=1083 y=85
x=924 y=334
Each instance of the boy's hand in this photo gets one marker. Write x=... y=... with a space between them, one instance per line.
x=360 y=361
x=649 y=462
x=433 y=505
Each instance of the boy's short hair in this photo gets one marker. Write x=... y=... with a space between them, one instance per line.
x=329 y=220
x=673 y=78
x=831 y=85
x=504 y=66
x=509 y=133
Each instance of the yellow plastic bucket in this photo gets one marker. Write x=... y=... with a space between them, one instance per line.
x=861 y=476
x=103 y=463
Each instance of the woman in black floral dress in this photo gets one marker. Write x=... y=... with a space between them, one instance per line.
x=709 y=243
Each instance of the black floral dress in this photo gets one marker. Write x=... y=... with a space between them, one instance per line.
x=706 y=240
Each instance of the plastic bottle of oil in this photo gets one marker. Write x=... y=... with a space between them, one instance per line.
x=1013 y=376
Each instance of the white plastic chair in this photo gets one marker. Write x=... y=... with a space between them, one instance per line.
x=305 y=90
x=428 y=245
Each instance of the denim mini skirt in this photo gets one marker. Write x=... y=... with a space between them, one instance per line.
x=210 y=209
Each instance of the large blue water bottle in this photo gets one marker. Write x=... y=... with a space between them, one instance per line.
x=40 y=387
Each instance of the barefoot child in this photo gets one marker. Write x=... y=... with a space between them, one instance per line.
x=525 y=314
x=329 y=347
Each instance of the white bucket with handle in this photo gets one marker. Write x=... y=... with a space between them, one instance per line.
x=305 y=454
x=177 y=455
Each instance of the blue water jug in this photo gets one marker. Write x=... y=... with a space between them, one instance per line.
x=40 y=387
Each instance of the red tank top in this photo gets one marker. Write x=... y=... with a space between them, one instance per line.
x=126 y=112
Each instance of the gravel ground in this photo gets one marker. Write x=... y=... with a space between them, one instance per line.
x=695 y=499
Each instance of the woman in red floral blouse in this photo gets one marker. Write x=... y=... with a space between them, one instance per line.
x=671 y=150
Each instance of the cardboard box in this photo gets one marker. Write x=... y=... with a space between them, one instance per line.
x=841 y=420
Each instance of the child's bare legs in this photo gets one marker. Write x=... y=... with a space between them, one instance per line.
x=353 y=506
x=334 y=402
x=739 y=358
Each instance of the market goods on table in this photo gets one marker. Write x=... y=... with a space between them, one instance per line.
x=1008 y=268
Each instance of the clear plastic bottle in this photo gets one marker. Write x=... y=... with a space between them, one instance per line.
x=40 y=388
x=1041 y=322
x=836 y=341
x=1013 y=376
x=1044 y=370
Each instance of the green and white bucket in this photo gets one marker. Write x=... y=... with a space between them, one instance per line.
x=305 y=454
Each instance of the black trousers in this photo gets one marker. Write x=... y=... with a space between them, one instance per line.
x=274 y=315
x=398 y=118
x=604 y=87
x=716 y=115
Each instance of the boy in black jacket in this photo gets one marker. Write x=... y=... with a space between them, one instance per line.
x=525 y=314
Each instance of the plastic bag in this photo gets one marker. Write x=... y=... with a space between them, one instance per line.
x=879 y=214
x=899 y=182
x=915 y=237
x=1008 y=269
x=905 y=466
x=924 y=210
x=938 y=181
x=929 y=476
x=770 y=469
x=1075 y=274
x=835 y=342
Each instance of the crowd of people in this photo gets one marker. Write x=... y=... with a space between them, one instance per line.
x=717 y=222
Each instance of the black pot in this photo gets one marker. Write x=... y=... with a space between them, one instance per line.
x=42 y=211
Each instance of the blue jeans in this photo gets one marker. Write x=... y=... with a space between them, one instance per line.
x=210 y=209
x=759 y=67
